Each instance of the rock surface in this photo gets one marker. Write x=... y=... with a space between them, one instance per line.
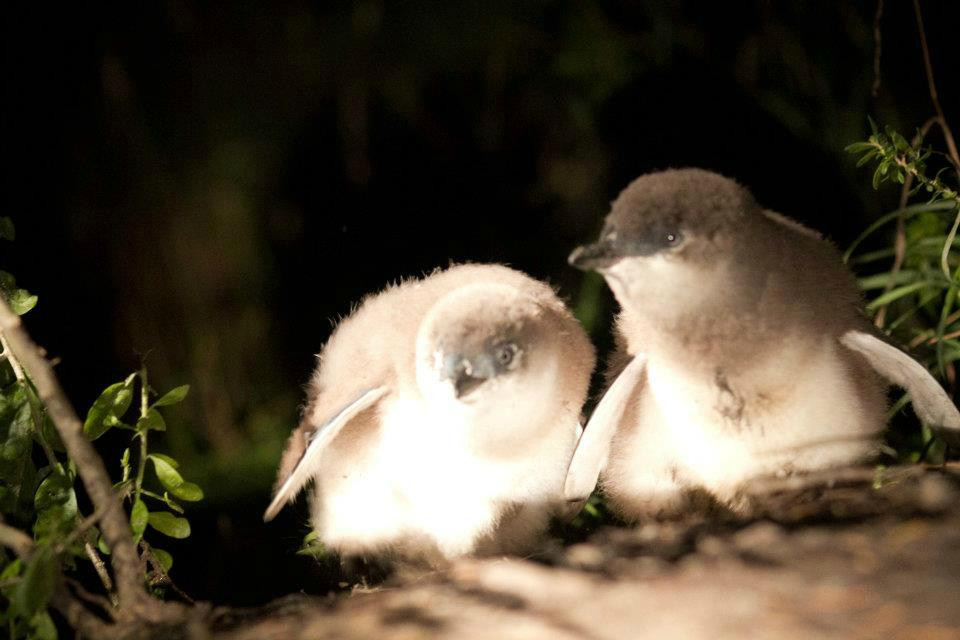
x=850 y=554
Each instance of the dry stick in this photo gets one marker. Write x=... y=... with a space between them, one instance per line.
x=947 y=134
x=134 y=601
x=15 y=540
x=875 y=89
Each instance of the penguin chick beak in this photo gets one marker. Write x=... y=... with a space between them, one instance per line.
x=596 y=256
x=463 y=375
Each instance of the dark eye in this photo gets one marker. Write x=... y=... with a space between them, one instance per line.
x=505 y=354
x=673 y=238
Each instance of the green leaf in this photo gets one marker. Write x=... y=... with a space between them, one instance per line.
x=867 y=157
x=21 y=301
x=138 y=519
x=859 y=147
x=50 y=435
x=12 y=570
x=7 y=230
x=42 y=627
x=33 y=592
x=171 y=479
x=170 y=461
x=164 y=558
x=103 y=546
x=151 y=420
x=18 y=437
x=56 y=506
x=56 y=489
x=107 y=409
x=169 y=524
x=173 y=396
x=896 y=294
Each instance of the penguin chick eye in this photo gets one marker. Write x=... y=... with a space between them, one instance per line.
x=672 y=238
x=505 y=353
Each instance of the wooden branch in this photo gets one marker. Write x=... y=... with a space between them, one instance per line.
x=932 y=86
x=15 y=540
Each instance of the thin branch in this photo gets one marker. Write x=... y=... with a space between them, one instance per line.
x=104 y=604
x=82 y=620
x=160 y=575
x=101 y=568
x=877 y=49
x=16 y=540
x=947 y=134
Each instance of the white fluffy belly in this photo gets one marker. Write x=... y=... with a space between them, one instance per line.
x=420 y=490
x=800 y=411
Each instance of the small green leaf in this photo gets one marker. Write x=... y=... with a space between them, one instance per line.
x=12 y=570
x=103 y=546
x=7 y=230
x=107 y=409
x=152 y=420
x=161 y=456
x=42 y=627
x=32 y=593
x=169 y=524
x=188 y=491
x=138 y=519
x=867 y=157
x=171 y=479
x=164 y=558
x=50 y=435
x=173 y=396
x=21 y=301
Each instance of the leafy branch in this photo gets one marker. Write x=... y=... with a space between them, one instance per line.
x=35 y=410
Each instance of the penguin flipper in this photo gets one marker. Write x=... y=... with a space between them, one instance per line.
x=593 y=447
x=322 y=436
x=930 y=402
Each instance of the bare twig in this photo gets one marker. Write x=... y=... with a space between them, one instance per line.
x=15 y=540
x=104 y=604
x=82 y=620
x=101 y=568
x=877 y=50
x=947 y=134
x=161 y=577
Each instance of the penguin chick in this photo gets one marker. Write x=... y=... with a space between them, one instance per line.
x=750 y=354
x=441 y=418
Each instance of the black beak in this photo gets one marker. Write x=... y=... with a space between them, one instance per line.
x=463 y=374
x=465 y=383
x=596 y=256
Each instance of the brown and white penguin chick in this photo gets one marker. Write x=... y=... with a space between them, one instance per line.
x=750 y=354
x=441 y=418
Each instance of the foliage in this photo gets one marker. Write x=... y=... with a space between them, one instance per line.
x=38 y=486
x=914 y=292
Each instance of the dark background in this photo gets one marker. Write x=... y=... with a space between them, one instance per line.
x=211 y=184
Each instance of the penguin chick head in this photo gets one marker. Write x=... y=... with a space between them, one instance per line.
x=665 y=231
x=487 y=348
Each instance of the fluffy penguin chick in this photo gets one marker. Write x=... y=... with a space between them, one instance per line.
x=750 y=355
x=441 y=418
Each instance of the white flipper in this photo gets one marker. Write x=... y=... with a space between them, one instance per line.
x=593 y=448
x=930 y=402
x=324 y=434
